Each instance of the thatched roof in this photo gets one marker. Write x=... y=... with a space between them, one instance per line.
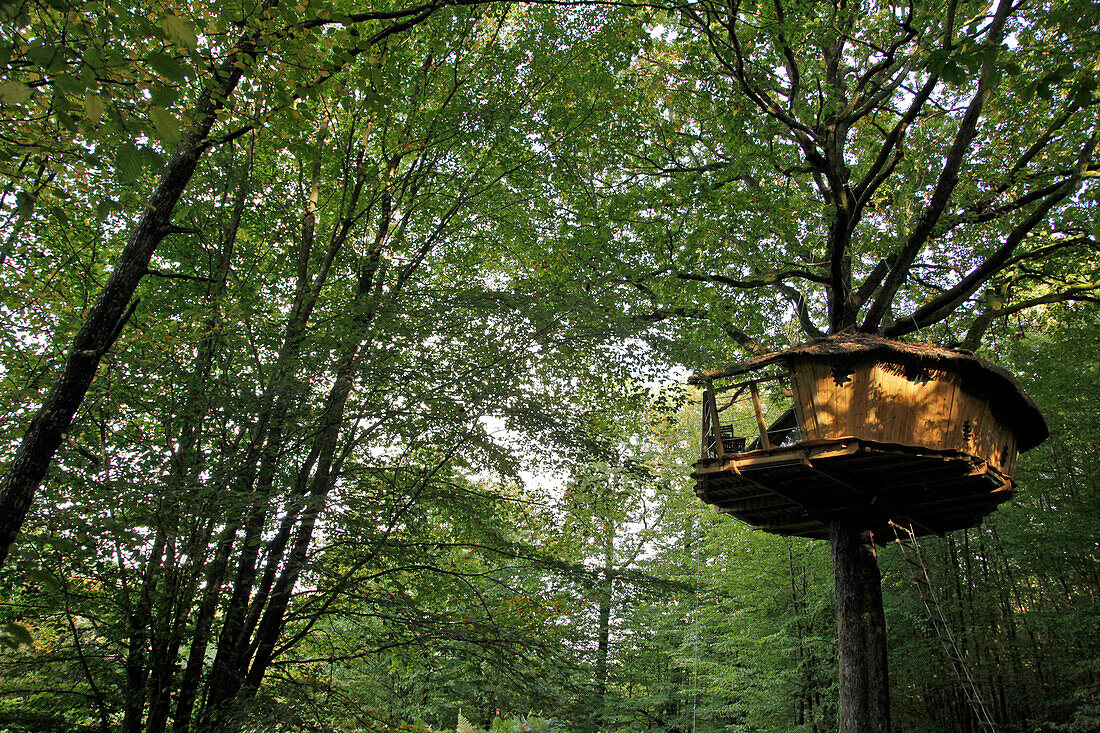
x=1010 y=399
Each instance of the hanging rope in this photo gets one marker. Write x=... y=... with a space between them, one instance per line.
x=918 y=571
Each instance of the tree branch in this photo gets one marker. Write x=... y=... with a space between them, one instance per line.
x=949 y=176
x=942 y=305
x=760 y=282
x=985 y=319
x=178 y=276
x=799 y=301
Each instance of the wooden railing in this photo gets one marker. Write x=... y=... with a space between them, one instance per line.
x=718 y=439
x=710 y=430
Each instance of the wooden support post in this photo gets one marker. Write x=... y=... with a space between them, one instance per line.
x=861 y=630
x=765 y=441
x=705 y=418
x=716 y=426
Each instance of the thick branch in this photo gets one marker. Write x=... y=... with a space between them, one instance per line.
x=1042 y=252
x=942 y=305
x=949 y=176
x=759 y=282
x=799 y=301
x=985 y=319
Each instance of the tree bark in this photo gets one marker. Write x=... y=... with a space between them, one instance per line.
x=603 y=628
x=113 y=307
x=861 y=630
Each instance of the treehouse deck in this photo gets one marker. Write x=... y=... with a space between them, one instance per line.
x=873 y=428
x=798 y=489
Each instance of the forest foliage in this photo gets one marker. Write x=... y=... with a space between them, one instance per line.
x=343 y=353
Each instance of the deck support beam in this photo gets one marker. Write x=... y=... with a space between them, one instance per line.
x=861 y=630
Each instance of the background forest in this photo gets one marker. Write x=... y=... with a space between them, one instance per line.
x=343 y=354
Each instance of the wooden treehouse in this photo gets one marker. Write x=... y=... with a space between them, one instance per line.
x=865 y=428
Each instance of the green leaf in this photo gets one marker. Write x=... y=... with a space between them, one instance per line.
x=167 y=66
x=13 y=635
x=180 y=31
x=93 y=107
x=1081 y=93
x=43 y=578
x=64 y=117
x=166 y=124
x=62 y=544
x=151 y=159
x=92 y=57
x=952 y=73
x=128 y=163
x=69 y=84
x=64 y=220
x=47 y=57
x=24 y=203
x=107 y=206
x=13 y=92
x=163 y=95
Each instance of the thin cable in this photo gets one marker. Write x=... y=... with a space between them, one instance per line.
x=695 y=630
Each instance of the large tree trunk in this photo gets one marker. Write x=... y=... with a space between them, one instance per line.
x=861 y=631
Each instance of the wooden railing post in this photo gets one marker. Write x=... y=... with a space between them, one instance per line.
x=765 y=441
x=708 y=402
x=715 y=426
x=710 y=430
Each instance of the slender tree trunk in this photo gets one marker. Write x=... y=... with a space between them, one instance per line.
x=603 y=628
x=253 y=642
x=204 y=619
x=113 y=307
x=861 y=631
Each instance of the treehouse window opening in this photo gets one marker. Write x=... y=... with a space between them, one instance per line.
x=756 y=414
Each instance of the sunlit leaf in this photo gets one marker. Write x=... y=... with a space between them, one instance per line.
x=180 y=31
x=166 y=124
x=13 y=92
x=93 y=107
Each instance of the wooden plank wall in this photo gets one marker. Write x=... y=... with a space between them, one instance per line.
x=885 y=404
x=804 y=384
